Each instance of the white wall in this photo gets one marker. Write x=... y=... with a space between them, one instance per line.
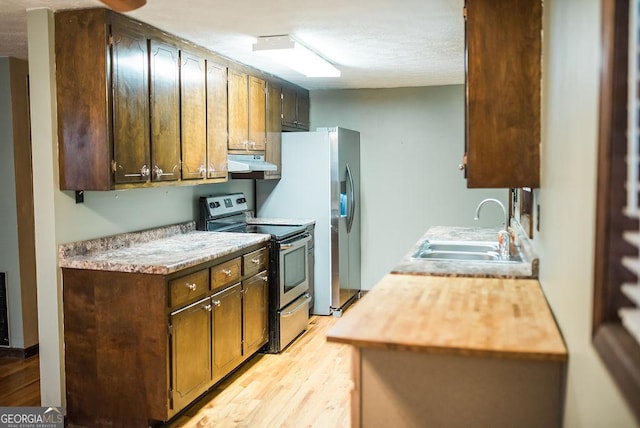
x=565 y=243
x=58 y=219
x=411 y=142
x=9 y=262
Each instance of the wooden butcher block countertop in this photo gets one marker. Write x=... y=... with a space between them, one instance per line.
x=494 y=317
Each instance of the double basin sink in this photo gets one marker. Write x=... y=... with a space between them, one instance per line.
x=484 y=251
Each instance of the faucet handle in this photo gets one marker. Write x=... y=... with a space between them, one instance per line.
x=504 y=244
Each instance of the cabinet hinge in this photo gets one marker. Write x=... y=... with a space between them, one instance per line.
x=110 y=40
x=281 y=96
x=170 y=329
x=170 y=394
x=464 y=11
x=114 y=165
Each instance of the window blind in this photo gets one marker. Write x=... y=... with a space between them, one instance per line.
x=630 y=316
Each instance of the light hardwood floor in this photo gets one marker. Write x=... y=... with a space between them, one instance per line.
x=307 y=385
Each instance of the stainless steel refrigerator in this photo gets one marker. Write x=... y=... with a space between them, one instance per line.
x=321 y=181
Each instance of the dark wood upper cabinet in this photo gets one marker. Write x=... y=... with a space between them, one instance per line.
x=303 y=108
x=165 y=111
x=193 y=114
x=217 y=123
x=102 y=100
x=238 y=110
x=257 y=113
x=503 y=93
x=295 y=109
x=138 y=107
x=130 y=103
x=273 y=151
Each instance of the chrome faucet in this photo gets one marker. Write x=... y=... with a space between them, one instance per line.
x=504 y=237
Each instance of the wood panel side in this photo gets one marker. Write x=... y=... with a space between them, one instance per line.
x=116 y=347
x=82 y=85
x=19 y=71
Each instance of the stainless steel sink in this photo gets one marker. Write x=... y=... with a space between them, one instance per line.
x=463 y=251
x=466 y=246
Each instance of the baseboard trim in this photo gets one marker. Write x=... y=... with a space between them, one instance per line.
x=20 y=352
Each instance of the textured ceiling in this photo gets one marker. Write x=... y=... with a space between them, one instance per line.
x=375 y=43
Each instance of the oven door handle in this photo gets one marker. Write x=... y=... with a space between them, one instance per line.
x=296 y=243
x=297 y=308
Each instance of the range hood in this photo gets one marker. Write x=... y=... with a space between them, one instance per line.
x=248 y=163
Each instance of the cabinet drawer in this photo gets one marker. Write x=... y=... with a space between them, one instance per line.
x=189 y=287
x=225 y=273
x=255 y=261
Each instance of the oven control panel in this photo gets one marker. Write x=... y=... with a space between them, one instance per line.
x=223 y=205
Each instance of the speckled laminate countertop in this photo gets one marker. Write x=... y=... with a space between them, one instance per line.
x=161 y=250
x=527 y=268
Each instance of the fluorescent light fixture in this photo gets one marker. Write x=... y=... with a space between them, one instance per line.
x=290 y=52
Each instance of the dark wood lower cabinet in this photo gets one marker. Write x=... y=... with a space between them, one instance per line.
x=136 y=354
x=227 y=330
x=190 y=352
x=255 y=312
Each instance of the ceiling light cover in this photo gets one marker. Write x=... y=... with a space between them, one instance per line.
x=290 y=52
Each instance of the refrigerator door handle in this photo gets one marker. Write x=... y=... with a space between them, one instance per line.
x=352 y=202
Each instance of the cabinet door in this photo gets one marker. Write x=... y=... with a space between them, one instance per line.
x=273 y=151
x=193 y=115
x=255 y=304
x=503 y=84
x=190 y=352
x=289 y=115
x=227 y=330
x=130 y=63
x=165 y=111
x=257 y=113
x=238 y=111
x=216 y=120
x=84 y=105
x=302 y=109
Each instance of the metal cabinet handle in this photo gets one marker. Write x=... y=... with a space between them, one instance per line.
x=207 y=308
x=144 y=172
x=216 y=303
x=265 y=278
x=227 y=272
x=192 y=287
x=255 y=261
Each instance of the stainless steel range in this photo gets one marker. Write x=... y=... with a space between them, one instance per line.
x=288 y=264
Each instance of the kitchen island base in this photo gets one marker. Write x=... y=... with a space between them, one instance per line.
x=410 y=389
